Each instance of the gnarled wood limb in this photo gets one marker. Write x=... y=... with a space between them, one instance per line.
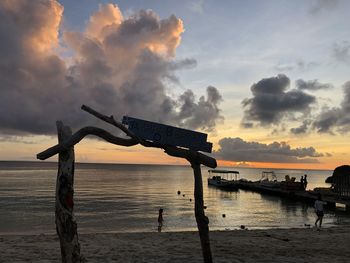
x=79 y=135
x=107 y=119
x=201 y=219
x=191 y=156
x=66 y=225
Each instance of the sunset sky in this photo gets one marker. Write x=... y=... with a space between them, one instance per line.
x=269 y=81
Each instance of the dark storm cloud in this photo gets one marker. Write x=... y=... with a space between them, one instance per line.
x=312 y=85
x=119 y=66
x=336 y=118
x=238 y=150
x=272 y=101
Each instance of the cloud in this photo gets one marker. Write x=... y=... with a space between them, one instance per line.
x=272 y=101
x=312 y=85
x=320 y=6
x=284 y=67
x=305 y=66
x=15 y=139
x=107 y=16
x=302 y=129
x=341 y=52
x=203 y=114
x=32 y=77
x=336 y=118
x=238 y=150
x=299 y=65
x=196 y=6
x=119 y=66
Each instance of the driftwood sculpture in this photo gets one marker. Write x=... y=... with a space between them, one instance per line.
x=66 y=226
x=65 y=223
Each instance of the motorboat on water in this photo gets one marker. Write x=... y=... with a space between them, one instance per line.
x=269 y=179
x=223 y=179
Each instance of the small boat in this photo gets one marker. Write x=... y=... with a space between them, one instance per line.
x=269 y=180
x=223 y=179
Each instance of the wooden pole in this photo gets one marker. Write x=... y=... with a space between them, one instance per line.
x=66 y=225
x=202 y=220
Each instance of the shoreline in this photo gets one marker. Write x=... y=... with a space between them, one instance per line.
x=165 y=230
x=268 y=245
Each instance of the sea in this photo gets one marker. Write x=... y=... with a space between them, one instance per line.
x=118 y=198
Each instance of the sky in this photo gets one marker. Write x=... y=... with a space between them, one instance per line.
x=268 y=81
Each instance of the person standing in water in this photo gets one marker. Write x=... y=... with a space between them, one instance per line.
x=319 y=210
x=160 y=220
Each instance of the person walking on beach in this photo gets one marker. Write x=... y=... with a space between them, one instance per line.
x=319 y=210
x=160 y=220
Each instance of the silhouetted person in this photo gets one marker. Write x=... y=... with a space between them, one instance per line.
x=302 y=183
x=319 y=210
x=160 y=220
x=305 y=182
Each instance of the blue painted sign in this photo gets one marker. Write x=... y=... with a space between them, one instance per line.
x=169 y=135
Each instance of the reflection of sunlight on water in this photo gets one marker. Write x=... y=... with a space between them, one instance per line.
x=127 y=198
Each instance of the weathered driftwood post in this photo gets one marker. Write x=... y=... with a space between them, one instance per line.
x=66 y=225
x=202 y=220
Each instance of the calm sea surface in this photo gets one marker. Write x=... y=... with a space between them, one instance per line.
x=126 y=198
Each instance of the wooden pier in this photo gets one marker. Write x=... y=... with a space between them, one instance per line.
x=301 y=195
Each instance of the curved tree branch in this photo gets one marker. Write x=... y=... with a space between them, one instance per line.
x=191 y=156
x=79 y=135
x=109 y=120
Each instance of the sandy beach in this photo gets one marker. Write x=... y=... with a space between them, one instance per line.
x=272 y=245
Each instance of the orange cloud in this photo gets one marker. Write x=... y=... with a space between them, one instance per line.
x=143 y=30
x=108 y=15
x=40 y=31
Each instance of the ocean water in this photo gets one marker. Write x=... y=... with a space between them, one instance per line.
x=126 y=198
